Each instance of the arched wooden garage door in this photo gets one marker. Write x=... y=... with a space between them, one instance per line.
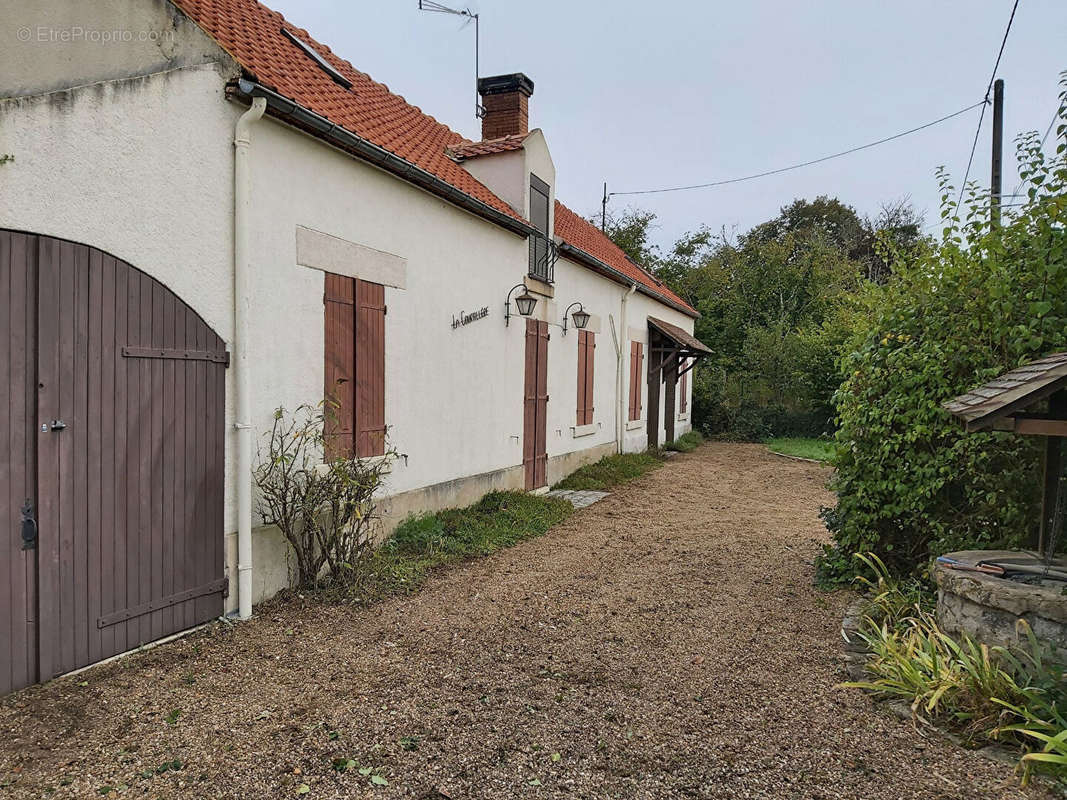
x=111 y=440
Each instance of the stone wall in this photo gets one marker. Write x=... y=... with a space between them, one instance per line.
x=989 y=608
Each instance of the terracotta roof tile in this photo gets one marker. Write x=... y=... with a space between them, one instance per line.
x=486 y=147
x=583 y=235
x=251 y=33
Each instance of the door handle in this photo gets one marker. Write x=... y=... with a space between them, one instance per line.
x=58 y=425
x=29 y=526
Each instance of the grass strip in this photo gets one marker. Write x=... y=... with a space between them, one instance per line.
x=686 y=443
x=611 y=471
x=815 y=449
x=426 y=542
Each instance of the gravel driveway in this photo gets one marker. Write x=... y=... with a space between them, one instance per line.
x=665 y=642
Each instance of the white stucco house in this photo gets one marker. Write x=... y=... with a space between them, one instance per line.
x=207 y=214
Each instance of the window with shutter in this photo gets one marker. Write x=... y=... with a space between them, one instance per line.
x=354 y=367
x=586 y=359
x=540 y=266
x=637 y=359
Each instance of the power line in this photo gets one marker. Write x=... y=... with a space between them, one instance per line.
x=981 y=117
x=805 y=163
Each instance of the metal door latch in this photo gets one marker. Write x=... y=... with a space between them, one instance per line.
x=29 y=526
x=58 y=425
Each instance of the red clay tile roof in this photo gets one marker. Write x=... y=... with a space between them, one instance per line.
x=251 y=33
x=486 y=147
x=582 y=234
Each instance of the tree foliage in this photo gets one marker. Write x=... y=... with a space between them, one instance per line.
x=985 y=299
x=775 y=306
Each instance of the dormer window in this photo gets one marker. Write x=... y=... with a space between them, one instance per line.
x=311 y=53
x=542 y=248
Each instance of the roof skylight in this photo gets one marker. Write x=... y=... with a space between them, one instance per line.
x=318 y=59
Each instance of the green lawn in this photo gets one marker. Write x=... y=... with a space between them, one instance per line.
x=815 y=449
x=610 y=471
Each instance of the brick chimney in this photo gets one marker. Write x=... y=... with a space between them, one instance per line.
x=504 y=98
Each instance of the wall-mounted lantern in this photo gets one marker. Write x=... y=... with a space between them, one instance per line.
x=580 y=317
x=525 y=302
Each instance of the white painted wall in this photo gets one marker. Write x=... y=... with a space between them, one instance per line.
x=143 y=168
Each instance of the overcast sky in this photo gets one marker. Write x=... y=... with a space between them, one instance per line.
x=653 y=94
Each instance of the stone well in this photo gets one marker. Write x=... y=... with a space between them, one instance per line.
x=987 y=607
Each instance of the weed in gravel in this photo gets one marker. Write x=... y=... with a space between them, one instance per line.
x=611 y=471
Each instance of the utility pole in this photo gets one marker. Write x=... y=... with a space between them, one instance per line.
x=998 y=152
x=604 y=209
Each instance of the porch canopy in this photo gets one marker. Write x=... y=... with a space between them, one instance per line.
x=1030 y=399
x=676 y=347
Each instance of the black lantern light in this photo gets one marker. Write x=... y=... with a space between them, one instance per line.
x=525 y=302
x=580 y=317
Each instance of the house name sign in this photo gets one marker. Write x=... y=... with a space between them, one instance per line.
x=466 y=318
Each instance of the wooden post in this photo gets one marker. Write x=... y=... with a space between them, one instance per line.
x=1053 y=468
x=998 y=152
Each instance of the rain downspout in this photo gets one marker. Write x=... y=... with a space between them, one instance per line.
x=620 y=403
x=242 y=195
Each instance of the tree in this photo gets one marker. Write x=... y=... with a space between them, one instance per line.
x=631 y=230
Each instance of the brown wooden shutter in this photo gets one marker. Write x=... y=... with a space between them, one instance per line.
x=340 y=314
x=370 y=369
x=637 y=358
x=586 y=360
x=683 y=401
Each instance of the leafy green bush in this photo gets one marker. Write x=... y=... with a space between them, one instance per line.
x=611 y=471
x=909 y=483
x=686 y=443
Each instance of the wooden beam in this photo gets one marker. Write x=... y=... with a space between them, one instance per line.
x=1032 y=426
x=693 y=364
x=1053 y=468
x=663 y=359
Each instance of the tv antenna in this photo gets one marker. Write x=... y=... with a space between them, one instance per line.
x=437 y=8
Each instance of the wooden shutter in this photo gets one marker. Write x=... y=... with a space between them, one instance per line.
x=355 y=367
x=637 y=358
x=586 y=359
x=340 y=313
x=683 y=401
x=370 y=369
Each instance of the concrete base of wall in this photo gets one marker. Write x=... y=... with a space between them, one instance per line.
x=270 y=551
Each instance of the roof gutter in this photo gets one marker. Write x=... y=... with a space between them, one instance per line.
x=594 y=262
x=333 y=133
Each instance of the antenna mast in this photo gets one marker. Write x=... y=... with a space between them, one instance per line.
x=437 y=8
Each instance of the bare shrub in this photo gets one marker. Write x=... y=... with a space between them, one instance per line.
x=326 y=510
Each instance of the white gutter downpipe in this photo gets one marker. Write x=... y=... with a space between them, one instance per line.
x=242 y=197
x=620 y=403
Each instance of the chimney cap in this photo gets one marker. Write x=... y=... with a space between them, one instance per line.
x=503 y=84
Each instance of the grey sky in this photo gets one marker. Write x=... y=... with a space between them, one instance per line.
x=645 y=95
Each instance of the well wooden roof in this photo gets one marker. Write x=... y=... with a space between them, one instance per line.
x=1020 y=388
